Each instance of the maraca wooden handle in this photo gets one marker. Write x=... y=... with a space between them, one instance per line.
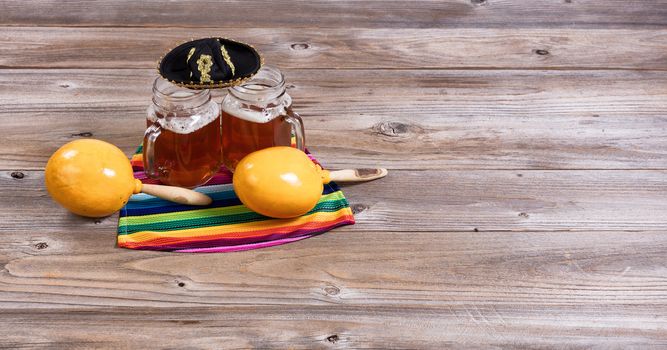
x=357 y=175
x=177 y=194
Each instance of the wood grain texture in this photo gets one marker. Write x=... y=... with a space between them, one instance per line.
x=392 y=269
x=396 y=119
x=463 y=326
x=339 y=14
x=347 y=48
x=469 y=326
x=423 y=201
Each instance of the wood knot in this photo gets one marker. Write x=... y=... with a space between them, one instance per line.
x=358 y=208
x=41 y=245
x=64 y=85
x=332 y=338
x=331 y=290
x=82 y=134
x=17 y=175
x=476 y=229
x=524 y=215
x=541 y=52
x=395 y=129
x=300 y=46
x=519 y=175
x=181 y=284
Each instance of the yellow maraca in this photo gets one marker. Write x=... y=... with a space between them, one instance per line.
x=282 y=182
x=94 y=178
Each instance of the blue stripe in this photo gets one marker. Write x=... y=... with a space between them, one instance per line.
x=175 y=207
x=330 y=188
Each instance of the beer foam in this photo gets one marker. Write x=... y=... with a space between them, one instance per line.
x=267 y=114
x=188 y=123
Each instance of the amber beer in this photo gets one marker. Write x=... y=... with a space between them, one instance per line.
x=258 y=114
x=187 y=154
x=241 y=137
x=182 y=144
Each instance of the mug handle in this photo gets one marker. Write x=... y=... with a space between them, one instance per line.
x=295 y=121
x=150 y=136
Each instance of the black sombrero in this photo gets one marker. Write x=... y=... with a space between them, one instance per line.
x=210 y=63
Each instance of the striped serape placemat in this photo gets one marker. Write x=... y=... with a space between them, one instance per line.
x=226 y=225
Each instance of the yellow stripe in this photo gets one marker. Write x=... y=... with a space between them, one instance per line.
x=319 y=217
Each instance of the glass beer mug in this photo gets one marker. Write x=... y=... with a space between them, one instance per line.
x=182 y=145
x=258 y=114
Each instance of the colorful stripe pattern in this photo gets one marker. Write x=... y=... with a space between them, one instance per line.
x=150 y=223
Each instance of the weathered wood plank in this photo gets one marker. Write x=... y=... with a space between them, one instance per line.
x=346 y=48
x=433 y=269
x=459 y=326
x=423 y=201
x=396 y=119
x=77 y=264
x=347 y=13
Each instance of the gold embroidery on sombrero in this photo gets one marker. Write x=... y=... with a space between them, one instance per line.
x=204 y=64
x=192 y=51
x=228 y=59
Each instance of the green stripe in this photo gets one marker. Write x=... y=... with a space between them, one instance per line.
x=217 y=220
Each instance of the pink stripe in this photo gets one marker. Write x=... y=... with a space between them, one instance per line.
x=237 y=248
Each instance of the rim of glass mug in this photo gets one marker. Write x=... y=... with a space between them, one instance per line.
x=166 y=95
x=265 y=86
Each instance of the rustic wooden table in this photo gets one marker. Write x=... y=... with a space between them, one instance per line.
x=526 y=204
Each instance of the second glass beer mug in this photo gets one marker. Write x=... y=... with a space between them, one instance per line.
x=182 y=145
x=258 y=114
